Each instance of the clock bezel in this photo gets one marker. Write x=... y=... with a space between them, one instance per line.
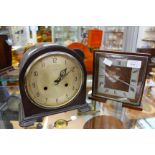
x=46 y=55
x=103 y=98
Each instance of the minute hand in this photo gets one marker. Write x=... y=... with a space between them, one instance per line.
x=68 y=72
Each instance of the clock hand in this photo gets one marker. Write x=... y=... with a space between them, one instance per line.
x=121 y=81
x=116 y=78
x=63 y=74
x=69 y=71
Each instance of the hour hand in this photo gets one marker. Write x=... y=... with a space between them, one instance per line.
x=61 y=76
x=57 y=81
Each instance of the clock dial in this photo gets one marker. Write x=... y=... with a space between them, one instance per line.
x=117 y=79
x=53 y=80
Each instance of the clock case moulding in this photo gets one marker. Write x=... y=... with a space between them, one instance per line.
x=29 y=112
x=103 y=98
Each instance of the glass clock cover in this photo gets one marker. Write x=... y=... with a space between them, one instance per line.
x=119 y=76
x=53 y=79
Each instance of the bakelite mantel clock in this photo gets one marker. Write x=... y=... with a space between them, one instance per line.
x=52 y=80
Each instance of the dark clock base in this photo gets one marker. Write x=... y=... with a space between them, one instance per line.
x=84 y=108
x=126 y=105
x=29 y=121
x=139 y=108
x=23 y=122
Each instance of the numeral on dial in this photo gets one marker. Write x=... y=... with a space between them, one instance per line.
x=135 y=71
x=101 y=83
x=119 y=63
x=43 y=64
x=73 y=69
x=54 y=60
x=132 y=89
x=76 y=78
x=33 y=85
x=115 y=92
x=38 y=94
x=106 y=90
x=133 y=80
x=35 y=73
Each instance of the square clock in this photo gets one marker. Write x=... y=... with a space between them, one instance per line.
x=119 y=76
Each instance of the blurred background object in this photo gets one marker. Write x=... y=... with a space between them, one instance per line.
x=5 y=52
x=92 y=40
x=44 y=34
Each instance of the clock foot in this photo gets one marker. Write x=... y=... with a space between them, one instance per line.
x=34 y=126
x=84 y=108
x=23 y=122
x=89 y=110
x=139 y=108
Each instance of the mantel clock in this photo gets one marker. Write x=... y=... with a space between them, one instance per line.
x=52 y=80
x=119 y=76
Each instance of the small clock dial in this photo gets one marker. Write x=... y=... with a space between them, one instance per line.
x=117 y=79
x=53 y=80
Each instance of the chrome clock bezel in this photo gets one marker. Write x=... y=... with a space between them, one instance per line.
x=46 y=55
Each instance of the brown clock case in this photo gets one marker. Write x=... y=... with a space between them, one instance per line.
x=29 y=112
x=125 y=74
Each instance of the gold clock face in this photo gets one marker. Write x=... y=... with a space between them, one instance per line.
x=53 y=80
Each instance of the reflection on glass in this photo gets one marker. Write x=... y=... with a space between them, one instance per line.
x=64 y=34
x=114 y=38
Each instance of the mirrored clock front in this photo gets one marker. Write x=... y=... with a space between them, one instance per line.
x=119 y=76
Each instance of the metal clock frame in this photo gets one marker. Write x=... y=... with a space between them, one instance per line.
x=102 y=98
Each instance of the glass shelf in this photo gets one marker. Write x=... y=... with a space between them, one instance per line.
x=10 y=100
x=9 y=97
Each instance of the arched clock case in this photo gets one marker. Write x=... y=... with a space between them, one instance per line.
x=52 y=80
